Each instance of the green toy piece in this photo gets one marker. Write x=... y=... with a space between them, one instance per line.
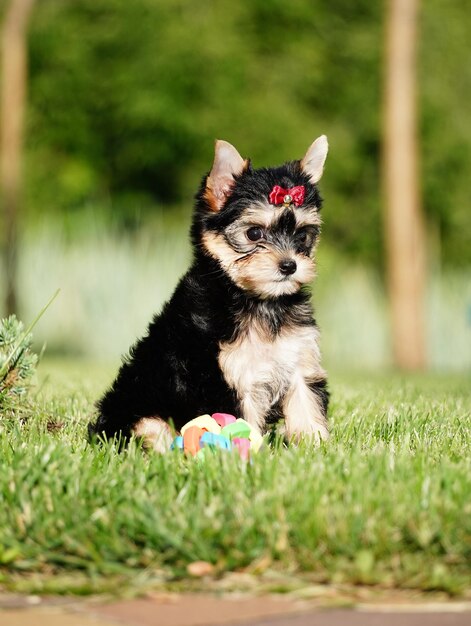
x=240 y=428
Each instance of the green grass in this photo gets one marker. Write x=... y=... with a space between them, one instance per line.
x=386 y=502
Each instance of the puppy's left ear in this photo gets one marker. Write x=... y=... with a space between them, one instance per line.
x=227 y=164
x=314 y=159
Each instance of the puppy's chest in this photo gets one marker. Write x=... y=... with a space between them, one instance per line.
x=256 y=361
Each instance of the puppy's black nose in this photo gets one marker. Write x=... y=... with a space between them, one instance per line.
x=287 y=266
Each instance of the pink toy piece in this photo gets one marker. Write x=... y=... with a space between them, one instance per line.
x=243 y=446
x=223 y=419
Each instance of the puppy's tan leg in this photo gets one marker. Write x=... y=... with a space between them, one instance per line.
x=304 y=414
x=155 y=432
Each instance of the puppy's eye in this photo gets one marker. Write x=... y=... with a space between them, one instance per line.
x=306 y=236
x=302 y=237
x=255 y=233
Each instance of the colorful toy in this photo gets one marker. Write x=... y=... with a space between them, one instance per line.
x=221 y=431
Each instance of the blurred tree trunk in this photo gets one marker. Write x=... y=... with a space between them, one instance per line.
x=14 y=71
x=404 y=225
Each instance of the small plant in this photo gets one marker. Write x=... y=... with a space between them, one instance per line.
x=17 y=360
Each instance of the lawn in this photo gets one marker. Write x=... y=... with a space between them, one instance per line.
x=386 y=502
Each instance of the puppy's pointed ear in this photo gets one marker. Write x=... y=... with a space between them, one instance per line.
x=227 y=164
x=314 y=159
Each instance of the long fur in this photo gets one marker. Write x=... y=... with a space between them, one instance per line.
x=231 y=338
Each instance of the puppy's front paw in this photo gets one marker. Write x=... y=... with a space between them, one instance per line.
x=305 y=417
x=312 y=433
x=155 y=433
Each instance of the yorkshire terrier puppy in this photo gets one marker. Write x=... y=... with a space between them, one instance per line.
x=238 y=335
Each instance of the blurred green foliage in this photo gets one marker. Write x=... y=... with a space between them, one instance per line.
x=127 y=97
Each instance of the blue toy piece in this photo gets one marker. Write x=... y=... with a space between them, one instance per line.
x=215 y=441
x=177 y=444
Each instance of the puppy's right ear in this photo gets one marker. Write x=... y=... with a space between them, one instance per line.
x=314 y=159
x=227 y=164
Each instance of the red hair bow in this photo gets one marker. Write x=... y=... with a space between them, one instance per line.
x=278 y=195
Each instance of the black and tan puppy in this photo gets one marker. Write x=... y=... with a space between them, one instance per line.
x=238 y=335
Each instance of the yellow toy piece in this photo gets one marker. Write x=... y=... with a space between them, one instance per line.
x=203 y=421
x=256 y=440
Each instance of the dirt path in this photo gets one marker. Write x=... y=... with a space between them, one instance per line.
x=210 y=610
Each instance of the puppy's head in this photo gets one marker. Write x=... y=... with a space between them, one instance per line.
x=261 y=226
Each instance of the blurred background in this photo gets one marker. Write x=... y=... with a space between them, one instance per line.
x=122 y=102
